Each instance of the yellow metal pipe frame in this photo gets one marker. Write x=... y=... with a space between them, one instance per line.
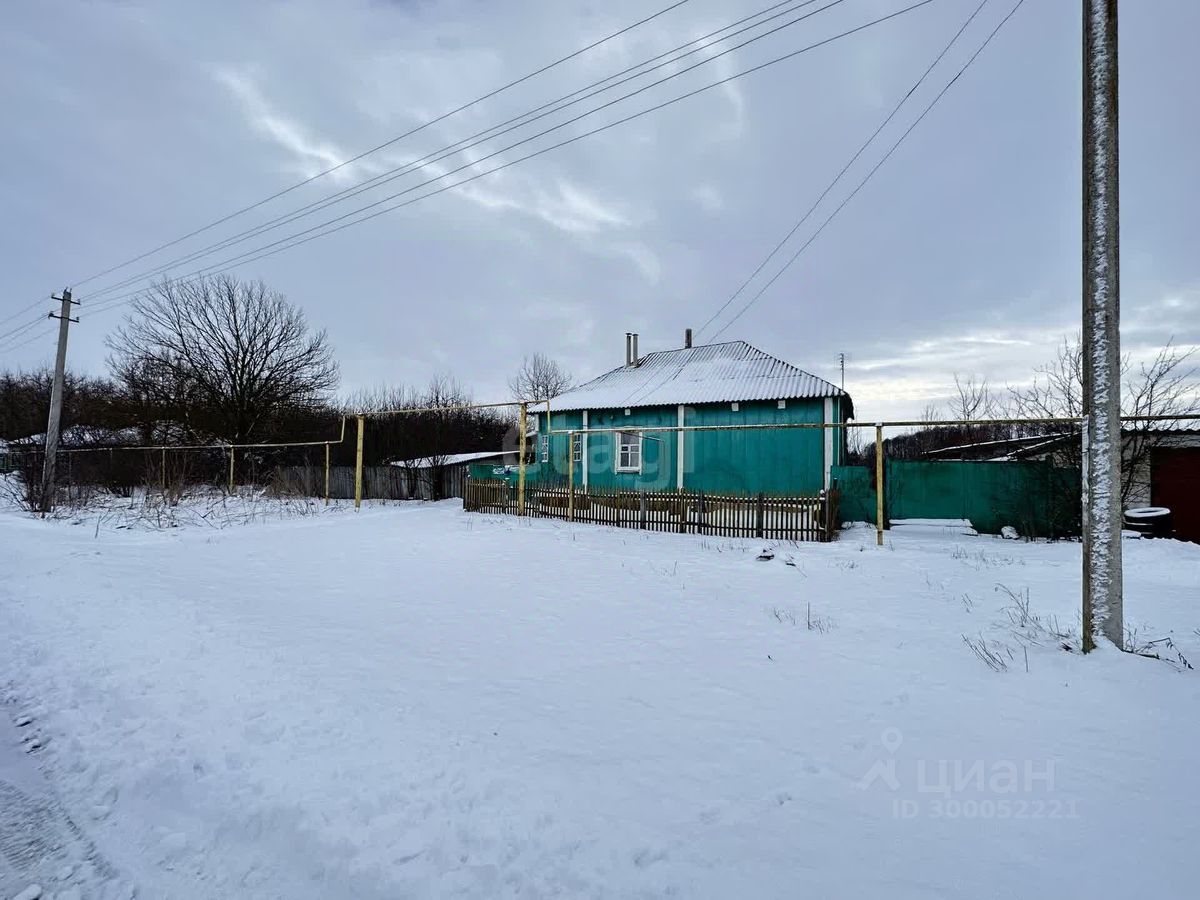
x=340 y=439
x=521 y=460
x=896 y=424
x=326 y=474
x=358 y=466
x=879 y=485
x=427 y=409
x=655 y=428
x=571 y=476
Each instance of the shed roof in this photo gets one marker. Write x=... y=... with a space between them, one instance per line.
x=712 y=373
x=452 y=459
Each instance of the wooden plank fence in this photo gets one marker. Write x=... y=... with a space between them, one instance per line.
x=806 y=518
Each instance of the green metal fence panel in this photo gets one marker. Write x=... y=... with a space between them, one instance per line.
x=1036 y=498
x=858 y=493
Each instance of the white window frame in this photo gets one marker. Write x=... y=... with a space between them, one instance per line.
x=622 y=436
x=577 y=448
x=545 y=448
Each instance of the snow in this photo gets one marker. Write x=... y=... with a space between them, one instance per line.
x=37 y=835
x=708 y=373
x=945 y=526
x=1146 y=512
x=401 y=703
x=453 y=459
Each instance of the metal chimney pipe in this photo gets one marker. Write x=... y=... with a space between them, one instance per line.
x=634 y=361
x=628 y=349
x=687 y=338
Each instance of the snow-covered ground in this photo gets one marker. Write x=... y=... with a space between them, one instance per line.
x=415 y=701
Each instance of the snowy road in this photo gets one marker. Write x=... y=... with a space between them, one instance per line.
x=419 y=702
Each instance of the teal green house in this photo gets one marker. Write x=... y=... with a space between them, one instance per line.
x=729 y=383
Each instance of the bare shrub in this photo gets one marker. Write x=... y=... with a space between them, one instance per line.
x=993 y=654
x=1030 y=628
x=1163 y=648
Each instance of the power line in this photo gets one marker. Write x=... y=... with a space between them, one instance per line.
x=282 y=244
x=24 y=309
x=387 y=143
x=875 y=169
x=20 y=329
x=315 y=231
x=29 y=340
x=846 y=168
x=670 y=374
x=460 y=146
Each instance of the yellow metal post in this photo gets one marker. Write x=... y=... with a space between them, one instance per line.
x=570 y=476
x=521 y=461
x=358 y=465
x=879 y=485
x=231 y=452
x=326 y=474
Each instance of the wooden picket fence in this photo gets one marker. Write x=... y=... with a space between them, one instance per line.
x=804 y=518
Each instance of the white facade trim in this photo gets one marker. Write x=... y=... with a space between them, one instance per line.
x=585 y=449
x=618 y=436
x=680 y=437
x=828 y=454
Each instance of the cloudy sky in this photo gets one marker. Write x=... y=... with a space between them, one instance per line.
x=129 y=124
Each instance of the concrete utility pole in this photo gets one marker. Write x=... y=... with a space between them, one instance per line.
x=56 y=400
x=1102 y=588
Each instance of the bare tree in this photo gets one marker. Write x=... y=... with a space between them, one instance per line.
x=973 y=399
x=539 y=378
x=220 y=355
x=1056 y=391
x=427 y=427
x=931 y=415
x=1164 y=386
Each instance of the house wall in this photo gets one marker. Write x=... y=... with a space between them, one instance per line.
x=788 y=461
x=658 y=449
x=1142 y=477
x=555 y=468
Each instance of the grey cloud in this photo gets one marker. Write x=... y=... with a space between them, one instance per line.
x=129 y=124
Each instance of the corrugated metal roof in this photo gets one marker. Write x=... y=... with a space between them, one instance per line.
x=453 y=459
x=713 y=373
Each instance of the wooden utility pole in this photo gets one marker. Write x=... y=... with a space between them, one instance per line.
x=1102 y=587
x=54 y=425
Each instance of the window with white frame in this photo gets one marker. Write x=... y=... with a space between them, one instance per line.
x=629 y=452
x=545 y=441
x=577 y=447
